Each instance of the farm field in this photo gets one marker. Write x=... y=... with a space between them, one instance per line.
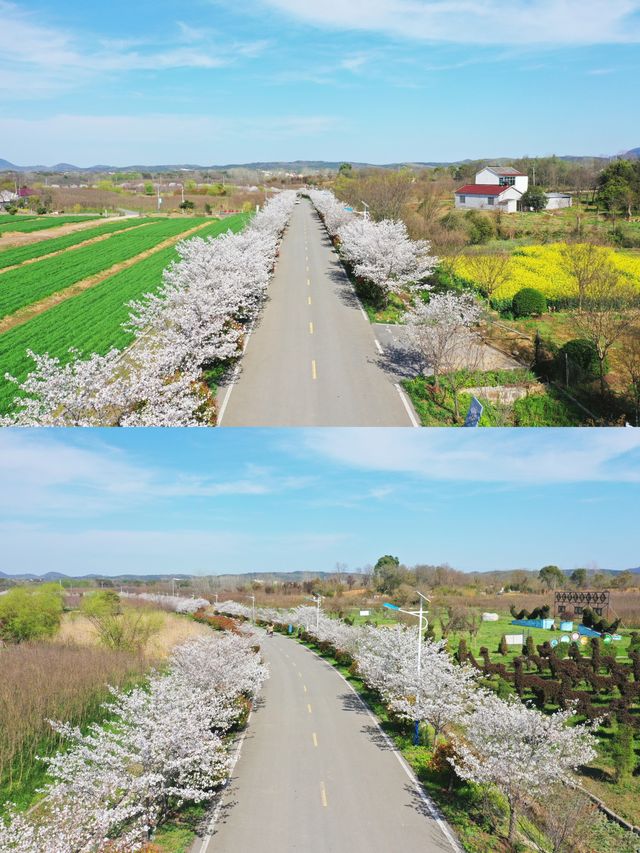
x=92 y=320
x=10 y=257
x=541 y=267
x=29 y=224
x=23 y=286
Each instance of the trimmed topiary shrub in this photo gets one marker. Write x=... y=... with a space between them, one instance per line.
x=528 y=301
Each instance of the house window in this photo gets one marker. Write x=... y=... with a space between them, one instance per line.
x=507 y=181
x=490 y=201
x=463 y=199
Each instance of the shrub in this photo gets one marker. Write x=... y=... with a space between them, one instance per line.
x=479 y=228
x=528 y=301
x=503 y=648
x=29 y=613
x=583 y=359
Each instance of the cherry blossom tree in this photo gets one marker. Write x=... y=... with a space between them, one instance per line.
x=383 y=254
x=519 y=749
x=163 y=747
x=195 y=319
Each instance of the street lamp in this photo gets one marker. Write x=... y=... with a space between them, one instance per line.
x=422 y=615
x=173 y=586
x=366 y=210
x=317 y=598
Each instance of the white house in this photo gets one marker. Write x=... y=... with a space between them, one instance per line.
x=501 y=188
x=488 y=197
x=503 y=176
x=8 y=198
x=495 y=188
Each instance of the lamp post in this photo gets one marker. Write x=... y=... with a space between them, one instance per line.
x=422 y=615
x=317 y=598
x=366 y=209
x=173 y=586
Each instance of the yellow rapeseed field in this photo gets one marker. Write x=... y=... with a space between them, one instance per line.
x=542 y=267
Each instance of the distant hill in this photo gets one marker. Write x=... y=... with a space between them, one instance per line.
x=297 y=166
x=264 y=577
x=634 y=154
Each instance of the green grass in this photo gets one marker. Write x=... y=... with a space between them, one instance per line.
x=436 y=407
x=40 y=223
x=9 y=217
x=9 y=257
x=23 y=286
x=91 y=321
x=178 y=834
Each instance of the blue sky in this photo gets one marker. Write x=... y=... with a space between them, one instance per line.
x=208 y=81
x=214 y=501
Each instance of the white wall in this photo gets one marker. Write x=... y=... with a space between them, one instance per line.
x=522 y=183
x=508 y=202
x=557 y=202
x=486 y=177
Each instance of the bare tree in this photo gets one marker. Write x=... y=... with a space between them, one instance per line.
x=385 y=192
x=631 y=365
x=583 y=262
x=490 y=271
x=610 y=308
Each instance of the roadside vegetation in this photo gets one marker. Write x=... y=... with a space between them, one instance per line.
x=559 y=291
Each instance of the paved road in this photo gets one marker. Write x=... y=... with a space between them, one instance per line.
x=315 y=774
x=312 y=359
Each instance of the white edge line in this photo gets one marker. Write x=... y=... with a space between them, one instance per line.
x=377 y=343
x=214 y=818
x=234 y=376
x=434 y=811
x=407 y=406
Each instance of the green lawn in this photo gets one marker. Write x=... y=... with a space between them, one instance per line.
x=29 y=224
x=91 y=321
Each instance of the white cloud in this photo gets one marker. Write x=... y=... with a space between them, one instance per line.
x=516 y=22
x=488 y=456
x=49 y=58
x=42 y=476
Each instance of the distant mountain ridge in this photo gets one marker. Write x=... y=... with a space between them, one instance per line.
x=269 y=166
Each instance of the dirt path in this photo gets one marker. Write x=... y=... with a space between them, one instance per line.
x=30 y=311
x=12 y=239
x=84 y=243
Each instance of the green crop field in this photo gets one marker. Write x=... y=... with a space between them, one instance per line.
x=25 y=285
x=9 y=257
x=27 y=224
x=9 y=217
x=91 y=321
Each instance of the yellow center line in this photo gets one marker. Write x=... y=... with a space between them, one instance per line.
x=315 y=739
x=309 y=708
x=300 y=674
x=308 y=300
x=308 y=281
x=314 y=372
x=304 y=687
x=310 y=328
x=323 y=794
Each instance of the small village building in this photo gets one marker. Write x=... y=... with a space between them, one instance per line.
x=556 y=201
x=8 y=199
x=495 y=188
x=502 y=188
x=488 y=197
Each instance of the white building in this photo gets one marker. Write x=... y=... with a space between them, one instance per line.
x=555 y=201
x=495 y=188
x=8 y=198
x=501 y=188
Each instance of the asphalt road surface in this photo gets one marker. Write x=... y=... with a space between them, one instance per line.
x=316 y=775
x=312 y=359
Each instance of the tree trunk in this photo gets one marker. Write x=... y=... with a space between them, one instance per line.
x=512 y=821
x=601 y=367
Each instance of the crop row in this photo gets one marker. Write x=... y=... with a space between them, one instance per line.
x=9 y=217
x=542 y=267
x=91 y=321
x=27 y=225
x=28 y=284
x=9 y=257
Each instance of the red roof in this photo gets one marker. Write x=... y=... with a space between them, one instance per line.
x=482 y=189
